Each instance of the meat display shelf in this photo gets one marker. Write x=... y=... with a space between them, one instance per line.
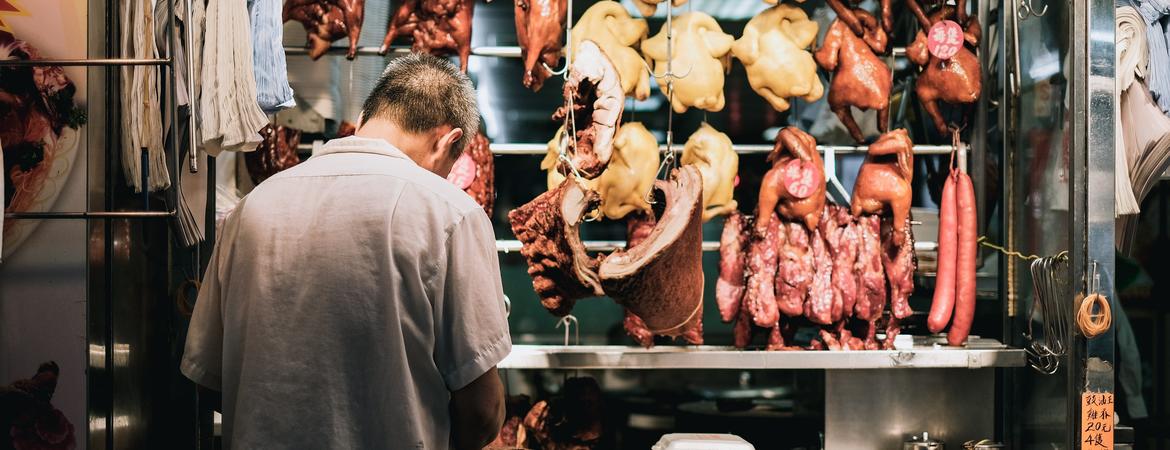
x=979 y=353
x=708 y=246
x=505 y=51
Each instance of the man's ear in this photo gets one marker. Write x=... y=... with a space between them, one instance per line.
x=448 y=139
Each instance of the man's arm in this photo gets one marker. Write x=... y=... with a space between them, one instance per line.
x=477 y=412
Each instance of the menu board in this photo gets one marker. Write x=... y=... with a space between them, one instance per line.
x=1097 y=421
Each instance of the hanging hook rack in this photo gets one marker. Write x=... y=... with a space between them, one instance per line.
x=1025 y=10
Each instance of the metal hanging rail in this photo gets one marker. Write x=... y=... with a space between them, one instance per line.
x=87 y=62
x=507 y=246
x=505 y=51
x=173 y=147
x=93 y=215
x=540 y=149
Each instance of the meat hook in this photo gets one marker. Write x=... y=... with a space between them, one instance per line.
x=1025 y=10
x=569 y=321
x=564 y=71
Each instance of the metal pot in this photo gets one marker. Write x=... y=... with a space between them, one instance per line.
x=923 y=442
x=985 y=444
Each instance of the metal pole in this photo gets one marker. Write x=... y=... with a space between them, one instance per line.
x=86 y=62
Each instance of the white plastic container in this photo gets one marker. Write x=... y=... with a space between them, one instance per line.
x=680 y=441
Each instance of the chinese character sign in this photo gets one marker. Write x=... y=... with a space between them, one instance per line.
x=801 y=178
x=944 y=39
x=1097 y=421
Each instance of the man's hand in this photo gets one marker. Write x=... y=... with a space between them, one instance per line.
x=477 y=412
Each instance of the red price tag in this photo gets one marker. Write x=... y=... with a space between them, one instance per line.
x=801 y=178
x=463 y=172
x=945 y=39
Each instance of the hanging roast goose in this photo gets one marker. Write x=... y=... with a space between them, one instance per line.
x=540 y=29
x=474 y=172
x=860 y=78
x=883 y=182
x=957 y=80
x=326 y=21
x=661 y=279
x=795 y=185
x=438 y=27
x=594 y=93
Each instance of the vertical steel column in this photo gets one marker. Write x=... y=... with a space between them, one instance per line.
x=1092 y=199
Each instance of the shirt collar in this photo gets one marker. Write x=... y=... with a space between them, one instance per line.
x=356 y=144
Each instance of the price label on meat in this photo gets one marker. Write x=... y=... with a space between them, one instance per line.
x=1097 y=421
x=801 y=178
x=945 y=39
x=463 y=173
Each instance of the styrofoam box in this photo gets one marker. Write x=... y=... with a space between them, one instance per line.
x=679 y=441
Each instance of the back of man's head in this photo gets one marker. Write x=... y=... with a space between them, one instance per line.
x=419 y=92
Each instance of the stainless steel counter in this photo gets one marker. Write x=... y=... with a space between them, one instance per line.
x=980 y=353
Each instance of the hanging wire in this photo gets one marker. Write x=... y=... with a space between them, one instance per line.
x=670 y=160
x=570 y=321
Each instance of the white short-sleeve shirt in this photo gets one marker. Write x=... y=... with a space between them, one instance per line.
x=346 y=298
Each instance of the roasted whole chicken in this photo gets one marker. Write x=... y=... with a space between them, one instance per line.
x=626 y=183
x=648 y=7
x=620 y=36
x=326 y=21
x=795 y=185
x=774 y=50
x=540 y=29
x=438 y=27
x=711 y=152
x=701 y=53
x=860 y=78
x=883 y=182
x=955 y=81
x=594 y=103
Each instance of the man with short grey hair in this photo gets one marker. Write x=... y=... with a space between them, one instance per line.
x=354 y=301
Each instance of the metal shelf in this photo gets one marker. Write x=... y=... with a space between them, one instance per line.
x=504 y=51
x=506 y=149
x=540 y=149
x=979 y=353
x=708 y=246
x=490 y=51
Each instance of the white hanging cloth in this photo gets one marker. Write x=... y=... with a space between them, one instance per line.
x=230 y=118
x=141 y=115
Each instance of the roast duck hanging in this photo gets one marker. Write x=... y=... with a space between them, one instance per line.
x=802 y=261
x=950 y=70
x=774 y=50
x=620 y=37
x=540 y=30
x=699 y=57
x=860 y=78
x=326 y=21
x=438 y=27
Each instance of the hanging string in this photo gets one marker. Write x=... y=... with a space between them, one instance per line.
x=986 y=243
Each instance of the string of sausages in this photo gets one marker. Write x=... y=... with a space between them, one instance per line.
x=954 y=293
